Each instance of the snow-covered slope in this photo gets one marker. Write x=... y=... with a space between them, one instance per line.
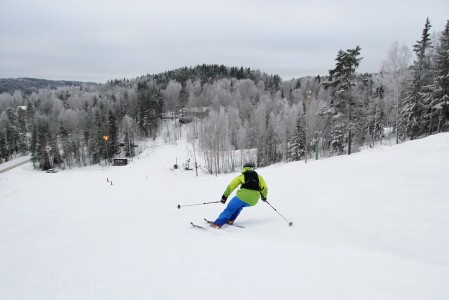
x=373 y=225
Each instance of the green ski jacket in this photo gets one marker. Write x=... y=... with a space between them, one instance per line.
x=250 y=197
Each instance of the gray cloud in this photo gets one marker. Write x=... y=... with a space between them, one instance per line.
x=100 y=40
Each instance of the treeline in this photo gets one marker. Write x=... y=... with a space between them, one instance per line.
x=29 y=85
x=281 y=120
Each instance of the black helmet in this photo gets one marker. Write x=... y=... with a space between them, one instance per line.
x=248 y=165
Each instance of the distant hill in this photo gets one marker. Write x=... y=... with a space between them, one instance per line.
x=28 y=85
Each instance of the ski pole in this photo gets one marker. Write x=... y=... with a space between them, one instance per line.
x=179 y=206
x=289 y=223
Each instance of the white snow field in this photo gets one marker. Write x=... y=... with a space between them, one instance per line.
x=372 y=225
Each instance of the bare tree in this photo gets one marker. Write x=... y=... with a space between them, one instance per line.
x=171 y=97
x=395 y=71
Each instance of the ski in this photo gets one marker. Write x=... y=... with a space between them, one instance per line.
x=211 y=222
x=197 y=226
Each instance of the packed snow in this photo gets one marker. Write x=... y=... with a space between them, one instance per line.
x=372 y=225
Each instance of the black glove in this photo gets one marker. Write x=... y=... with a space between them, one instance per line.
x=223 y=199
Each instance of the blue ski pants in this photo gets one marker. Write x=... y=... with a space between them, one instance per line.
x=231 y=211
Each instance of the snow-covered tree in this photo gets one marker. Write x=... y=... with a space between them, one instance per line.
x=394 y=72
x=440 y=89
x=297 y=141
x=113 y=133
x=413 y=113
x=376 y=115
x=171 y=96
x=342 y=78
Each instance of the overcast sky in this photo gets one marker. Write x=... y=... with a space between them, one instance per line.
x=98 y=40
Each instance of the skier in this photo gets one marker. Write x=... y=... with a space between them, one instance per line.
x=252 y=187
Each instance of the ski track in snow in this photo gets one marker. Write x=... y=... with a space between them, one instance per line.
x=373 y=225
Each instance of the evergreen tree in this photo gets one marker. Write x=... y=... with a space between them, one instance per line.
x=149 y=108
x=3 y=149
x=274 y=84
x=413 y=114
x=440 y=88
x=53 y=151
x=40 y=144
x=22 y=130
x=338 y=134
x=12 y=131
x=123 y=105
x=30 y=115
x=129 y=145
x=297 y=141
x=101 y=140
x=113 y=134
x=128 y=136
x=363 y=98
x=377 y=116
x=9 y=129
x=64 y=139
x=342 y=78
x=34 y=147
